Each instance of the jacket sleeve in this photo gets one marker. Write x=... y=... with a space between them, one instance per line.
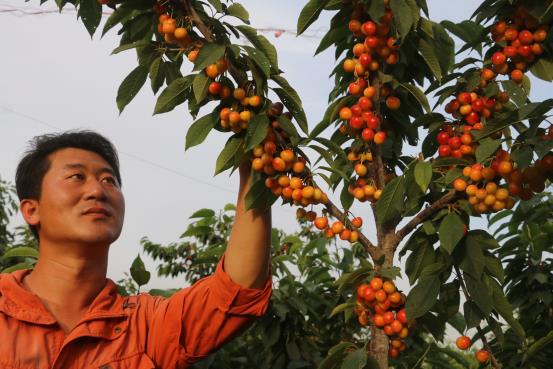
x=199 y=319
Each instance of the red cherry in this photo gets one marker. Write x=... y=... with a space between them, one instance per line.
x=454 y=143
x=478 y=105
x=498 y=58
x=510 y=51
x=365 y=103
x=525 y=51
x=356 y=110
x=373 y=122
x=356 y=122
x=367 y=134
x=472 y=118
x=365 y=60
x=442 y=138
x=464 y=98
x=368 y=28
x=444 y=151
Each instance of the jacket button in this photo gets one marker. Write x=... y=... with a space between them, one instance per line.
x=117 y=330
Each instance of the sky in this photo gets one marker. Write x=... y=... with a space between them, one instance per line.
x=55 y=78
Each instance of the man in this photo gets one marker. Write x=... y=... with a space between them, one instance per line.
x=66 y=314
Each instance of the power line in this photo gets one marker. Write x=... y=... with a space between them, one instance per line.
x=28 y=11
x=133 y=156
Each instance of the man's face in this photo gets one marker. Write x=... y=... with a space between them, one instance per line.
x=80 y=201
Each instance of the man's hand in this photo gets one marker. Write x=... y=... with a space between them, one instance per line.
x=247 y=255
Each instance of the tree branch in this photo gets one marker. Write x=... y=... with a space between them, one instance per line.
x=423 y=215
x=208 y=35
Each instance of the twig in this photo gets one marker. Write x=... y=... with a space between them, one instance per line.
x=495 y=364
x=424 y=215
x=373 y=251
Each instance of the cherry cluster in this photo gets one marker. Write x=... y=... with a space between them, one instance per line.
x=236 y=113
x=379 y=301
x=519 y=41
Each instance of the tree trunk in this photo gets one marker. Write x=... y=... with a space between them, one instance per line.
x=379 y=340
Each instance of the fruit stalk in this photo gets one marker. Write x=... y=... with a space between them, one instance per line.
x=495 y=363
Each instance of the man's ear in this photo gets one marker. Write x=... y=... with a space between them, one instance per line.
x=30 y=211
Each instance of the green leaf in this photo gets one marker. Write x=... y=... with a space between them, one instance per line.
x=138 y=272
x=282 y=82
x=403 y=18
x=479 y=293
x=333 y=36
x=294 y=108
x=504 y=308
x=472 y=314
x=259 y=196
x=216 y=4
x=540 y=344
x=226 y=157
x=472 y=261
x=238 y=11
x=338 y=309
x=423 y=174
x=132 y=45
x=288 y=127
x=173 y=95
x=417 y=94
x=346 y=199
x=21 y=252
x=390 y=203
x=260 y=42
x=90 y=11
x=422 y=297
x=121 y=15
x=428 y=53
x=486 y=148
x=199 y=130
x=17 y=266
x=130 y=86
x=209 y=54
x=376 y=9
x=355 y=360
x=202 y=213
x=309 y=14
x=257 y=130
x=543 y=69
x=157 y=74
x=199 y=86
x=259 y=59
x=451 y=231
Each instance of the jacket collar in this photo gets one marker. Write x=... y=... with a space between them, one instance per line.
x=21 y=304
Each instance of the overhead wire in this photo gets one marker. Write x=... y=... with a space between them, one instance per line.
x=18 y=11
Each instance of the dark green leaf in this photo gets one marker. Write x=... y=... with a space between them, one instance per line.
x=473 y=316
x=209 y=54
x=391 y=201
x=132 y=45
x=355 y=360
x=451 y=232
x=238 y=11
x=199 y=130
x=157 y=74
x=226 y=158
x=261 y=43
x=130 y=86
x=296 y=109
x=418 y=95
x=199 y=86
x=257 y=130
x=423 y=174
x=422 y=297
x=428 y=53
x=90 y=11
x=309 y=14
x=259 y=59
x=203 y=213
x=173 y=95
x=403 y=18
x=138 y=272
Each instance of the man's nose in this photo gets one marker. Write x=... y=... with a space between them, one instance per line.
x=95 y=190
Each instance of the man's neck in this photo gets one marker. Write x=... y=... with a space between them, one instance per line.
x=68 y=282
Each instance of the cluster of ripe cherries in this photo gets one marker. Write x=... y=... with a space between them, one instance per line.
x=379 y=301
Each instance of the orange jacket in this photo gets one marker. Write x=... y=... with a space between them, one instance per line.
x=134 y=332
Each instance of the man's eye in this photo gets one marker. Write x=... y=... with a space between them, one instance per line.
x=78 y=176
x=109 y=180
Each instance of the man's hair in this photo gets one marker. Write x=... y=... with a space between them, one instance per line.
x=35 y=162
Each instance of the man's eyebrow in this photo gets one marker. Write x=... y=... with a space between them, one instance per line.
x=81 y=166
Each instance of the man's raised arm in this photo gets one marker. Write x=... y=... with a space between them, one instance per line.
x=247 y=256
